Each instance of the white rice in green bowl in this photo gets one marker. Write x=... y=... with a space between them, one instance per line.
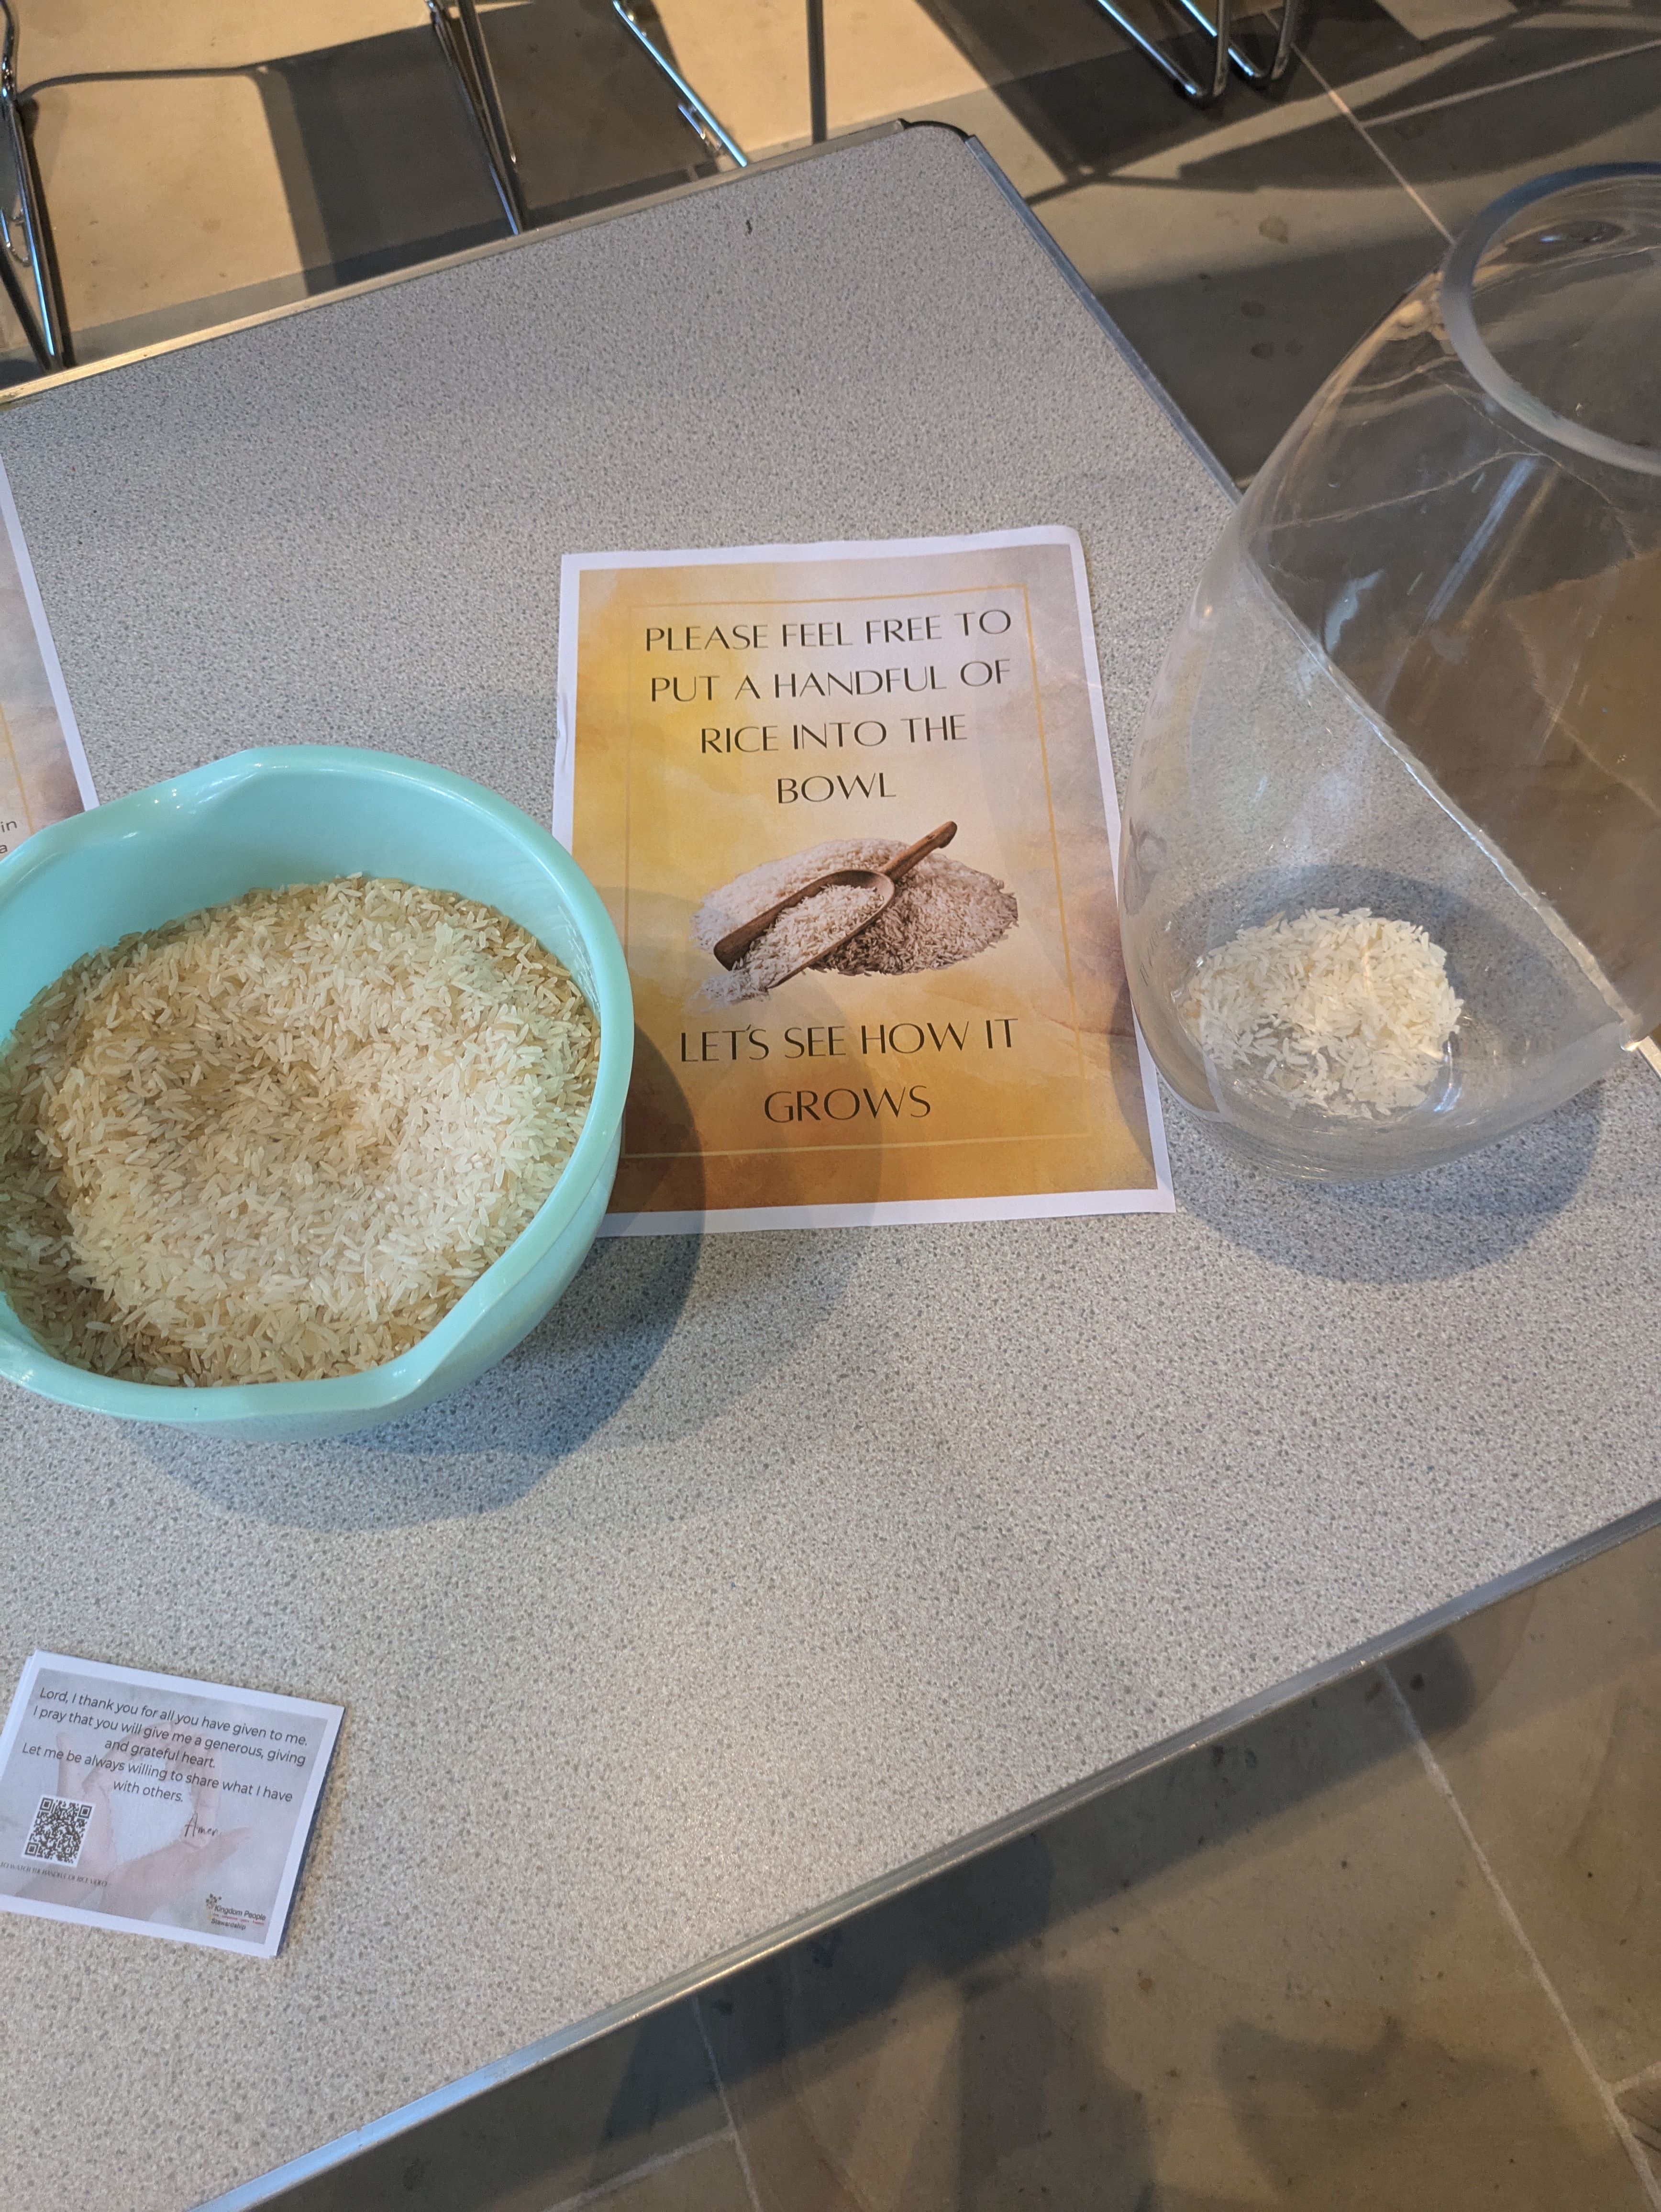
x=276 y=1140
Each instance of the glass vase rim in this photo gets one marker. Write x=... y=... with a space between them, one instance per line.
x=1459 y=316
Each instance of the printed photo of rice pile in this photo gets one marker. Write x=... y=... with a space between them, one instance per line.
x=941 y=911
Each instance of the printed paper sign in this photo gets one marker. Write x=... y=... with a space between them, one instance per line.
x=156 y=1805
x=954 y=1042
x=43 y=775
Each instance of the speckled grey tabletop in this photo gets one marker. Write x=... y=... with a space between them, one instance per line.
x=768 y=1562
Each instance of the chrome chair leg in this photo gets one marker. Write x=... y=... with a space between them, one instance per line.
x=817 y=126
x=1204 y=90
x=1292 y=19
x=702 y=119
x=45 y=326
x=461 y=37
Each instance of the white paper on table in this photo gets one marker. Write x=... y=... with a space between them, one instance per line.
x=155 y=1804
x=660 y=809
x=44 y=776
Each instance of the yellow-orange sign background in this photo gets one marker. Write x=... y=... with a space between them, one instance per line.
x=1044 y=1094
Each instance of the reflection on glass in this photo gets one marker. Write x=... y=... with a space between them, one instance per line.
x=1419 y=680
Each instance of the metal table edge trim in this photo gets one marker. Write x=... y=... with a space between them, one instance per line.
x=268 y=2188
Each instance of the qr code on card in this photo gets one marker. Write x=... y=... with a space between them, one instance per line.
x=59 y=1831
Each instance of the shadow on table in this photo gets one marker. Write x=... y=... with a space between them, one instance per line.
x=486 y=1445
x=1424 y=1228
x=576 y=1373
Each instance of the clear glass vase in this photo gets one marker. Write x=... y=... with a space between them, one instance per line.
x=1391 y=870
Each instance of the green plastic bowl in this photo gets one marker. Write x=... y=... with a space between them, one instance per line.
x=300 y=814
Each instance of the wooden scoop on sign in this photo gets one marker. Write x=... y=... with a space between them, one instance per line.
x=730 y=950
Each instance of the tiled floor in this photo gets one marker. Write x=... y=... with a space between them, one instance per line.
x=1397 y=1945
x=289 y=145
x=1391 y=1949
x=1244 y=250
